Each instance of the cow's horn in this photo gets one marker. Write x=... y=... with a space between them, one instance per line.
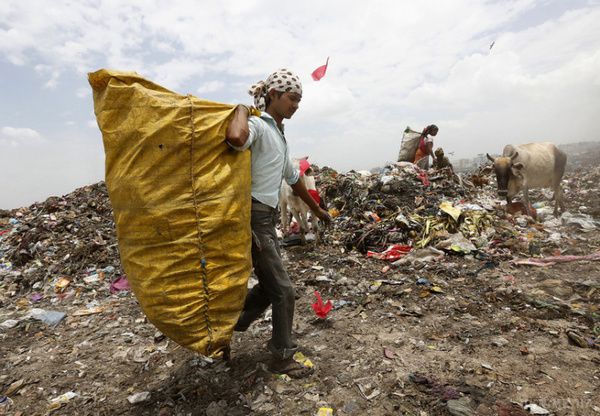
x=489 y=157
x=514 y=155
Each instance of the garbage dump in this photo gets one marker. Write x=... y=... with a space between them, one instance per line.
x=427 y=296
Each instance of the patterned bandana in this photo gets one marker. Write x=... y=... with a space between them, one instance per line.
x=282 y=80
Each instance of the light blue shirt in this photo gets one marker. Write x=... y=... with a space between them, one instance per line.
x=271 y=161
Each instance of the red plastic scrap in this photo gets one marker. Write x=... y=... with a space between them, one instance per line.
x=424 y=178
x=393 y=252
x=320 y=308
x=119 y=284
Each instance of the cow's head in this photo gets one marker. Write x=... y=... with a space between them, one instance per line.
x=505 y=168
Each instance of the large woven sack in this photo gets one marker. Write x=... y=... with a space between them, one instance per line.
x=181 y=202
x=408 y=147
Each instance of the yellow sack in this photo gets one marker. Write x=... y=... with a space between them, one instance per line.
x=181 y=202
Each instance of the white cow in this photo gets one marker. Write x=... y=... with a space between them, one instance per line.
x=532 y=165
x=297 y=207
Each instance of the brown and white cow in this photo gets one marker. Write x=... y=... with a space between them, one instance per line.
x=527 y=166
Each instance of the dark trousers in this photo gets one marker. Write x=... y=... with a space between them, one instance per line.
x=274 y=286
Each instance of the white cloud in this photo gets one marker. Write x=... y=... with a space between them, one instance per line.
x=83 y=92
x=51 y=74
x=16 y=136
x=173 y=73
x=210 y=86
x=392 y=64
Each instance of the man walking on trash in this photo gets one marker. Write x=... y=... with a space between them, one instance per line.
x=277 y=98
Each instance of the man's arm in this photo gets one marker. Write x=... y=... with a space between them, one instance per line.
x=238 y=131
x=302 y=192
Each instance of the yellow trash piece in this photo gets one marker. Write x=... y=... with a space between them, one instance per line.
x=302 y=359
x=181 y=202
x=451 y=210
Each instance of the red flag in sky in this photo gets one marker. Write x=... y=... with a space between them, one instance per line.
x=319 y=73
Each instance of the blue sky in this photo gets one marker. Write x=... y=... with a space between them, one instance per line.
x=392 y=64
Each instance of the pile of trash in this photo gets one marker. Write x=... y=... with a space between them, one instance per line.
x=427 y=293
x=61 y=240
x=584 y=191
x=404 y=206
x=399 y=211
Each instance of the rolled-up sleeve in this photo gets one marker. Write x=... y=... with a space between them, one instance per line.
x=290 y=174
x=254 y=127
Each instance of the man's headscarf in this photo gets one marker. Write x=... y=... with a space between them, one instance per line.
x=282 y=80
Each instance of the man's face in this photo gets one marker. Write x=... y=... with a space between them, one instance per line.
x=286 y=104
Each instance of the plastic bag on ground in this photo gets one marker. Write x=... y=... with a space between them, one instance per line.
x=458 y=243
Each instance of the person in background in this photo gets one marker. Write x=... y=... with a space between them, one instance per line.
x=441 y=161
x=425 y=148
x=278 y=98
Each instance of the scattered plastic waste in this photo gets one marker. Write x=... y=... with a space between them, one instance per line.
x=57 y=402
x=138 y=397
x=61 y=284
x=372 y=217
x=320 y=308
x=458 y=244
x=423 y=282
x=119 y=285
x=64 y=398
x=585 y=222
x=424 y=255
x=392 y=253
x=9 y=323
x=454 y=212
x=36 y=297
x=5 y=404
x=337 y=304
x=583 y=342
x=302 y=359
x=534 y=409
x=94 y=278
x=52 y=318
x=552 y=260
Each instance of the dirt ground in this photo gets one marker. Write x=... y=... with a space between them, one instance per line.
x=489 y=336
